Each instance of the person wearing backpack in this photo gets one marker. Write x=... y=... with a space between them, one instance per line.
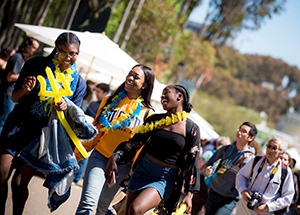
x=265 y=183
x=223 y=195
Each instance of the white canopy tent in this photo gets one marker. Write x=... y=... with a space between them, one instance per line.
x=108 y=64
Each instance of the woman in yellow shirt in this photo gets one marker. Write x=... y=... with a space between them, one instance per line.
x=117 y=116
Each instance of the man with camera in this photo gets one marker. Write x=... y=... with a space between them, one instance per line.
x=266 y=185
x=223 y=195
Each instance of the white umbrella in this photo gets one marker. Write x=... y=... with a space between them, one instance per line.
x=104 y=56
x=96 y=51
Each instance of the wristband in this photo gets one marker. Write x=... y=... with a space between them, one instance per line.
x=117 y=155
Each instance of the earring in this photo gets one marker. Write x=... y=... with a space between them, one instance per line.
x=143 y=87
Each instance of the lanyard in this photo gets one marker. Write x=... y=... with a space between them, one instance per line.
x=234 y=158
x=271 y=176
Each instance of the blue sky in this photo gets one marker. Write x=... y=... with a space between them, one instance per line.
x=278 y=37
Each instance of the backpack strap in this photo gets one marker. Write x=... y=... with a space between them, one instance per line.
x=283 y=176
x=256 y=159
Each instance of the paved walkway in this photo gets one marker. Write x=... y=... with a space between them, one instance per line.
x=38 y=200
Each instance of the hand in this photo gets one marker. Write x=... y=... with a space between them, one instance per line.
x=188 y=201
x=111 y=167
x=245 y=195
x=262 y=209
x=61 y=105
x=29 y=83
x=208 y=170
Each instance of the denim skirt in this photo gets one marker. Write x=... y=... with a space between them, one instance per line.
x=151 y=174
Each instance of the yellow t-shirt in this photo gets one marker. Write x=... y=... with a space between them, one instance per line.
x=106 y=143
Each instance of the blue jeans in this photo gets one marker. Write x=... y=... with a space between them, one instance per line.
x=79 y=172
x=7 y=106
x=217 y=204
x=94 y=184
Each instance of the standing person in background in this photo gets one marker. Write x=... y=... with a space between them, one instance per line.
x=289 y=161
x=127 y=107
x=12 y=71
x=101 y=91
x=89 y=95
x=223 y=195
x=200 y=197
x=263 y=188
x=32 y=112
x=5 y=54
x=169 y=156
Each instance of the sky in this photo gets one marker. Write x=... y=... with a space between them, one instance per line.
x=278 y=37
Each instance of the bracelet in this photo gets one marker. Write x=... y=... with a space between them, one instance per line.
x=117 y=155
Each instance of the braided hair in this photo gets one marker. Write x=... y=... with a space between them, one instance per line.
x=65 y=38
x=187 y=106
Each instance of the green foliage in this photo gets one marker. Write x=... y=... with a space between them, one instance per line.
x=156 y=28
x=115 y=19
x=224 y=115
x=198 y=56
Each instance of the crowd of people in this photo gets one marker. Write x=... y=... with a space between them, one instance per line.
x=158 y=159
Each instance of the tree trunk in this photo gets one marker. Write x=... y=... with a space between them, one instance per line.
x=67 y=17
x=122 y=24
x=39 y=13
x=73 y=14
x=132 y=24
x=184 y=8
x=58 y=14
x=18 y=32
x=197 y=85
x=2 y=5
x=225 y=21
x=45 y=11
x=11 y=22
x=29 y=11
x=4 y=21
x=115 y=5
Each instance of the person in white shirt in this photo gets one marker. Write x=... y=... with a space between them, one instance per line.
x=266 y=180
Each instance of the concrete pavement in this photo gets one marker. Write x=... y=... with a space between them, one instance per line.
x=38 y=200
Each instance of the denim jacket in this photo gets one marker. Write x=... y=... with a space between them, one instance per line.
x=52 y=153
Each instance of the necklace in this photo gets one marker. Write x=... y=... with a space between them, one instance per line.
x=124 y=118
x=166 y=121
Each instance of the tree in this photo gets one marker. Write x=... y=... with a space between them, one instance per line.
x=226 y=18
x=124 y=19
x=132 y=24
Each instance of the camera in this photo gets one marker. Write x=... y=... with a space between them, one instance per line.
x=255 y=199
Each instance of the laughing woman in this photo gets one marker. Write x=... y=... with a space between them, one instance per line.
x=117 y=116
x=31 y=114
x=171 y=148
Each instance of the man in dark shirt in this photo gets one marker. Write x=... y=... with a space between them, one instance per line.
x=10 y=75
x=101 y=92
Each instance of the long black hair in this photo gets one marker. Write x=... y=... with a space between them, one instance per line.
x=65 y=38
x=26 y=42
x=186 y=105
x=146 y=92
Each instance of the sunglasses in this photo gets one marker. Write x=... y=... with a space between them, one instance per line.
x=272 y=147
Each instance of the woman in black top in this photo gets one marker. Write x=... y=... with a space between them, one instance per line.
x=169 y=156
